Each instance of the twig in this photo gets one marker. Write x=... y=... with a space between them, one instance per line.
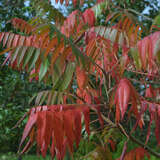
x=124 y=151
x=150 y=82
x=144 y=146
x=140 y=14
x=17 y=124
x=130 y=137
x=146 y=74
x=138 y=142
x=79 y=38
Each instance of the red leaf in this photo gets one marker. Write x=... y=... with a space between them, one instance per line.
x=149 y=92
x=15 y=41
x=30 y=142
x=77 y=126
x=1 y=36
x=46 y=131
x=68 y=127
x=89 y=17
x=31 y=122
x=81 y=77
x=123 y=96
x=100 y=116
x=139 y=118
x=58 y=132
x=113 y=145
x=74 y=2
x=59 y=123
x=52 y=149
x=137 y=154
x=5 y=38
x=39 y=124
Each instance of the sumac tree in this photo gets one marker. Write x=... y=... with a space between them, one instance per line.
x=112 y=70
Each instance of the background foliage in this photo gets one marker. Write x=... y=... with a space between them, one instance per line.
x=15 y=90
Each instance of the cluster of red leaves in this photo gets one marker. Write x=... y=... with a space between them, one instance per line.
x=88 y=96
x=58 y=124
x=154 y=114
x=126 y=25
x=22 y=25
x=152 y=92
x=103 y=52
x=148 y=49
x=74 y=25
x=136 y=154
x=76 y=22
x=124 y=95
x=82 y=77
x=154 y=110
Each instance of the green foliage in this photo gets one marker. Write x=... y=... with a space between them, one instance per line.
x=15 y=90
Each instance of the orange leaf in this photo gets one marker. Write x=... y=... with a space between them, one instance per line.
x=123 y=96
x=81 y=77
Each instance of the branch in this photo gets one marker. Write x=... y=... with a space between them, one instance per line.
x=143 y=73
x=144 y=81
x=130 y=137
x=144 y=146
x=135 y=140
x=18 y=123
x=140 y=14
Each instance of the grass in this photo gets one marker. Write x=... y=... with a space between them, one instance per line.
x=11 y=156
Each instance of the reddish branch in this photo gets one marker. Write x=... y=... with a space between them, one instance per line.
x=130 y=137
x=135 y=140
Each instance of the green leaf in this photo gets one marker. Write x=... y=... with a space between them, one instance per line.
x=28 y=56
x=136 y=57
x=67 y=77
x=35 y=57
x=24 y=50
x=98 y=9
x=43 y=69
x=43 y=98
x=75 y=50
x=57 y=72
x=156 y=21
x=15 y=54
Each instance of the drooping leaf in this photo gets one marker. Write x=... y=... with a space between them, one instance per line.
x=124 y=94
x=81 y=77
x=43 y=69
x=60 y=124
x=68 y=75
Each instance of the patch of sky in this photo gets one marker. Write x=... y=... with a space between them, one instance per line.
x=61 y=7
x=27 y=3
x=147 y=9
